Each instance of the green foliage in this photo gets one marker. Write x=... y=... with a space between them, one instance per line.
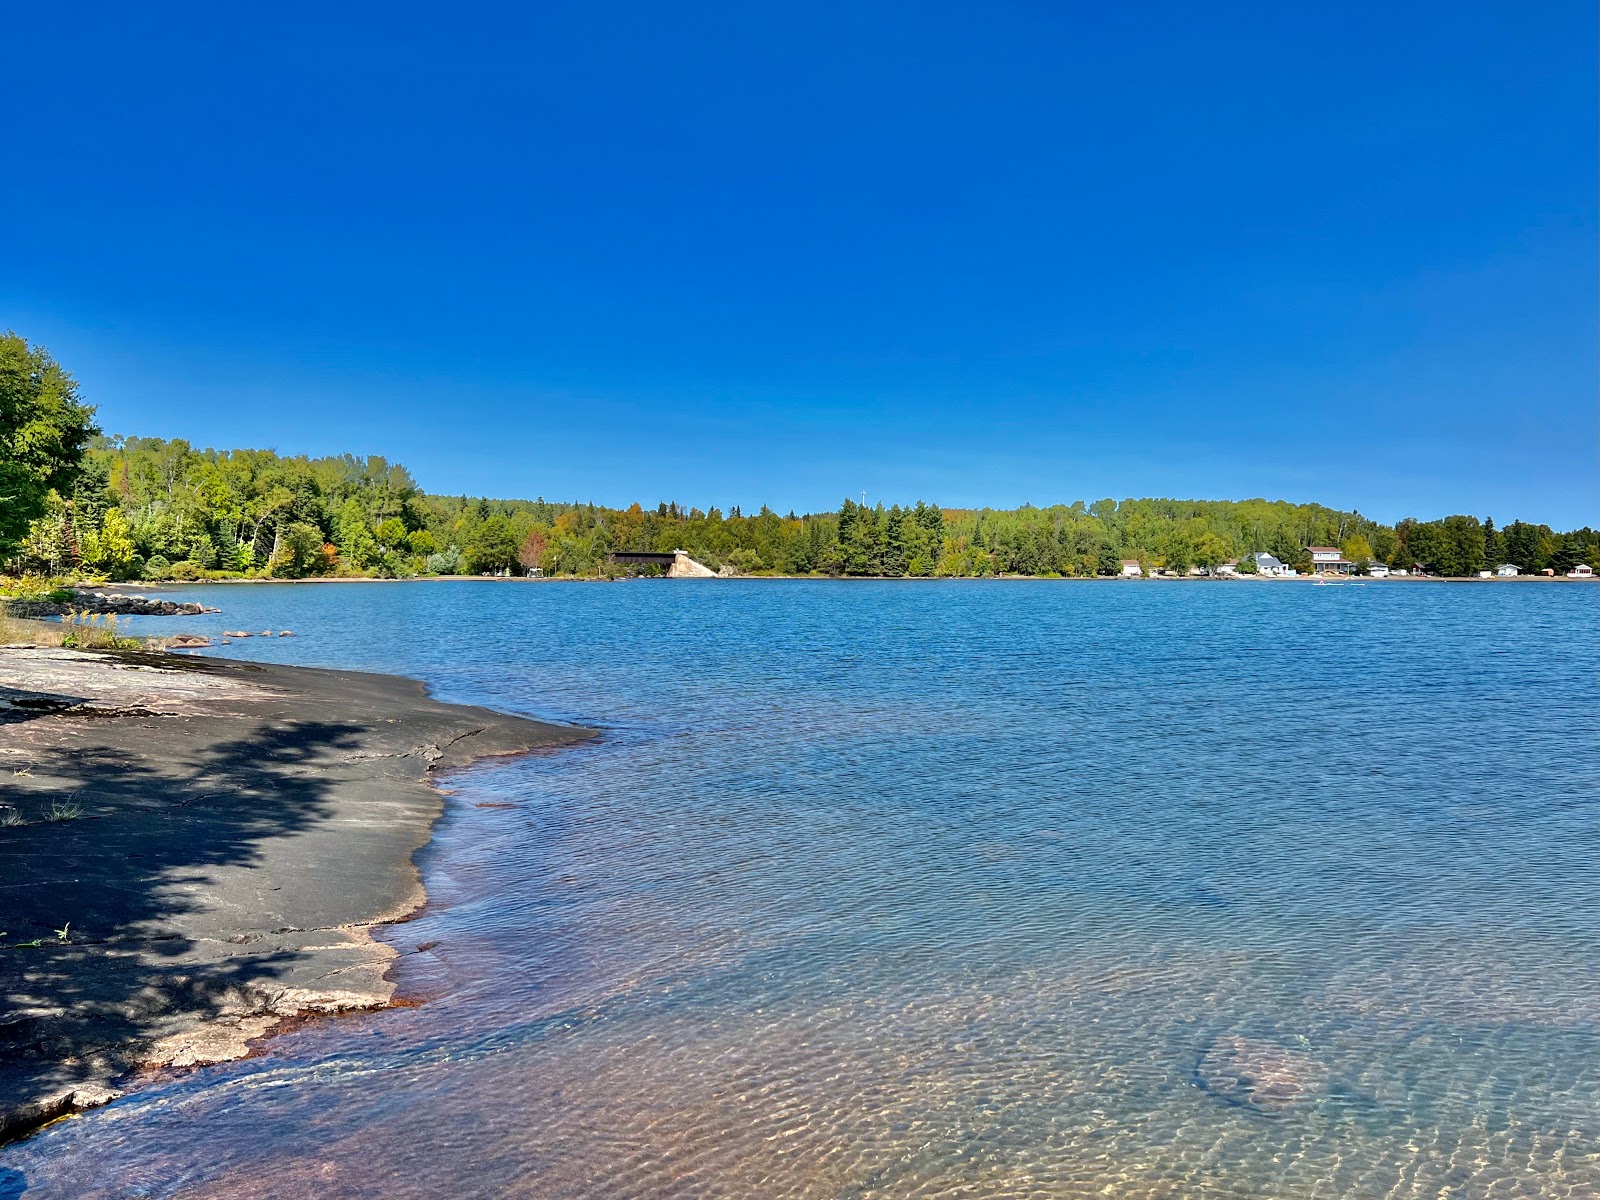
x=493 y=546
x=122 y=507
x=108 y=549
x=125 y=507
x=163 y=503
x=49 y=543
x=1357 y=549
x=391 y=535
x=44 y=429
x=299 y=552
x=94 y=631
x=1454 y=546
x=448 y=561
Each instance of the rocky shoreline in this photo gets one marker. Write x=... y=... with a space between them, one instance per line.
x=195 y=849
x=107 y=602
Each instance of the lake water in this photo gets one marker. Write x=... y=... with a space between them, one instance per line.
x=967 y=889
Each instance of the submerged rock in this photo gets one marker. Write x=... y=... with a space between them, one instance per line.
x=1259 y=1075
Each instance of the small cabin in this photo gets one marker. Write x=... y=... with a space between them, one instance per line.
x=1506 y=570
x=1378 y=570
x=1131 y=568
x=1581 y=571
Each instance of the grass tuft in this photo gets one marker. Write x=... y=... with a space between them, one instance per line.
x=64 y=810
x=16 y=631
x=94 y=631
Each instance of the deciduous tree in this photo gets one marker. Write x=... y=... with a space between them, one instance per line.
x=44 y=430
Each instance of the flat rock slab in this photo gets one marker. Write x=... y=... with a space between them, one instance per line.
x=192 y=849
x=35 y=679
x=1259 y=1075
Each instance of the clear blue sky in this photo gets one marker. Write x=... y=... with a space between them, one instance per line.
x=732 y=253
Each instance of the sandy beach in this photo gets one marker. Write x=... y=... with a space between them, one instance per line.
x=194 y=850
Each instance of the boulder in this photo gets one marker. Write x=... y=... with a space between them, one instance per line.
x=234 y=633
x=187 y=641
x=684 y=567
x=1259 y=1075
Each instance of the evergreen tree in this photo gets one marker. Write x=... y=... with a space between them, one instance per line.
x=894 y=542
x=1493 y=544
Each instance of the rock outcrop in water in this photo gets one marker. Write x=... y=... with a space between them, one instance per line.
x=107 y=602
x=1259 y=1075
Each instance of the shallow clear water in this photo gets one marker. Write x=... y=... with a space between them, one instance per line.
x=950 y=889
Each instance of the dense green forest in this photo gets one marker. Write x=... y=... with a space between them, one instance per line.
x=155 y=509
x=131 y=508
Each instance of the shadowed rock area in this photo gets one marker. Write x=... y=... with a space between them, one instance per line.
x=193 y=849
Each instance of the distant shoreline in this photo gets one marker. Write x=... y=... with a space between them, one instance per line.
x=177 y=584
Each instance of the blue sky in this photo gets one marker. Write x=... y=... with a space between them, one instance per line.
x=734 y=253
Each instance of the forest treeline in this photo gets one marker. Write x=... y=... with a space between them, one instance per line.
x=158 y=509
x=151 y=508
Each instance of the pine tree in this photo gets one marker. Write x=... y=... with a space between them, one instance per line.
x=1493 y=544
x=894 y=543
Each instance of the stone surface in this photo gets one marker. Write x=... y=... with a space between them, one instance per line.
x=1260 y=1075
x=106 y=602
x=204 y=847
x=684 y=567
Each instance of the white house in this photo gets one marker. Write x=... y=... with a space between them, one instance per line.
x=1581 y=571
x=1131 y=568
x=1485 y=574
x=1378 y=570
x=1327 y=560
x=1266 y=564
x=1505 y=570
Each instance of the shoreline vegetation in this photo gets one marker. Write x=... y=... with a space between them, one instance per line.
x=122 y=509
x=197 y=852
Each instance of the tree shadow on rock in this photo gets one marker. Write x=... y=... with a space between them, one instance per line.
x=116 y=930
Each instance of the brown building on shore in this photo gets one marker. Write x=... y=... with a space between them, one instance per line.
x=1328 y=560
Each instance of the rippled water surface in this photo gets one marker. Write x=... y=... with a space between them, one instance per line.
x=958 y=890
